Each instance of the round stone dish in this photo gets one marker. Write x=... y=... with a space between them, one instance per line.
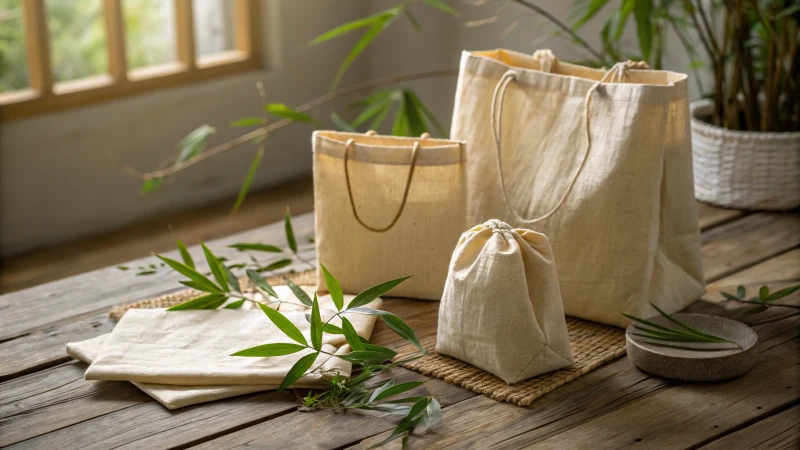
x=693 y=365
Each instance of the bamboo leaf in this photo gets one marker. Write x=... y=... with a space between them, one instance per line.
x=400 y=127
x=728 y=296
x=375 y=28
x=763 y=293
x=591 y=10
x=373 y=353
x=687 y=327
x=412 y=19
x=439 y=4
x=643 y=12
x=352 y=337
x=298 y=292
x=426 y=112
x=190 y=273
x=247 y=122
x=416 y=124
x=342 y=124
x=782 y=293
x=287 y=224
x=201 y=287
x=381 y=116
x=372 y=110
x=279 y=264
x=200 y=302
x=260 y=282
x=185 y=255
x=394 y=390
x=434 y=413
x=334 y=288
x=268 y=350
x=316 y=325
x=194 y=143
x=285 y=112
x=248 y=179
x=233 y=281
x=348 y=27
x=626 y=8
x=370 y=294
x=242 y=246
x=298 y=370
x=284 y=324
x=235 y=305
x=741 y=292
x=215 y=267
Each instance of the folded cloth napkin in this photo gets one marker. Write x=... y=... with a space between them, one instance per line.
x=183 y=357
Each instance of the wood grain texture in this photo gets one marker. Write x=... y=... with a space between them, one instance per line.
x=27 y=310
x=711 y=216
x=45 y=348
x=753 y=238
x=779 y=432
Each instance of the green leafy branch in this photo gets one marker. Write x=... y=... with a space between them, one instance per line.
x=765 y=299
x=670 y=337
x=368 y=359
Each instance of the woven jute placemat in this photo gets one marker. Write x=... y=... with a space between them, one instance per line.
x=165 y=301
x=593 y=345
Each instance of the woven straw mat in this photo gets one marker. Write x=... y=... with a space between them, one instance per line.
x=593 y=345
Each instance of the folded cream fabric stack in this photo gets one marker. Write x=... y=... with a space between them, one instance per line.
x=182 y=358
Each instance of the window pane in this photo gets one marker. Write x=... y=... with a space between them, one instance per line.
x=149 y=32
x=13 y=65
x=77 y=38
x=213 y=26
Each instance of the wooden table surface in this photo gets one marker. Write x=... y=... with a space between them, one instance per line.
x=46 y=403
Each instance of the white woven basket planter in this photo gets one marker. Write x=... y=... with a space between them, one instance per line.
x=744 y=169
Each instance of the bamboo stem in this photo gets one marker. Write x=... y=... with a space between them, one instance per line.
x=263 y=131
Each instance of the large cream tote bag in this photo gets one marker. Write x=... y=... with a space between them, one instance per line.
x=388 y=207
x=600 y=162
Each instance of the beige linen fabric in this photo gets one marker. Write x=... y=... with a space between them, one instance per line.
x=182 y=358
x=426 y=230
x=603 y=169
x=501 y=310
x=175 y=397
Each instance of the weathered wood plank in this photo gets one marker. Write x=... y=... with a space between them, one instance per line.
x=778 y=432
x=783 y=268
x=711 y=216
x=739 y=244
x=150 y=425
x=41 y=306
x=332 y=429
x=627 y=405
x=56 y=398
x=45 y=348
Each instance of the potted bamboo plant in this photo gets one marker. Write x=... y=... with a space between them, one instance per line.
x=746 y=137
x=746 y=131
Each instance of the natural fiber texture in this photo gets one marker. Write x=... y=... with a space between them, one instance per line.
x=593 y=345
x=598 y=161
x=744 y=169
x=386 y=207
x=501 y=309
x=307 y=278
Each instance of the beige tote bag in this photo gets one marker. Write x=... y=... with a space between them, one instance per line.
x=387 y=207
x=600 y=162
x=501 y=310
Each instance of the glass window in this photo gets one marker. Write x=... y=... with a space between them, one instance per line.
x=213 y=26
x=77 y=38
x=13 y=64
x=149 y=32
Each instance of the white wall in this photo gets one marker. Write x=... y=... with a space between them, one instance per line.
x=57 y=185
